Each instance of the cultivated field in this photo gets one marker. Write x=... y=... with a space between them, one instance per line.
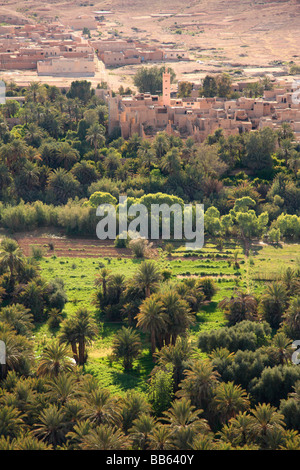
x=80 y=268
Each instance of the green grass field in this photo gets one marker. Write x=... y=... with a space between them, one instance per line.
x=265 y=263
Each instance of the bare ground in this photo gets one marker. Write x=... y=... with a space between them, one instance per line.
x=231 y=35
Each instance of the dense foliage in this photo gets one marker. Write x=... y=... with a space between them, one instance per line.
x=235 y=387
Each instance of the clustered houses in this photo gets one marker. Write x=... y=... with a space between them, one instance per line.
x=50 y=49
x=198 y=117
x=57 y=50
x=114 y=52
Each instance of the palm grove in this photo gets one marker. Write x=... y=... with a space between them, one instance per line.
x=235 y=387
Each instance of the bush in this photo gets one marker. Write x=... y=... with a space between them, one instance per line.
x=275 y=383
x=37 y=252
x=244 y=366
x=161 y=390
x=141 y=247
x=208 y=287
x=57 y=297
x=169 y=248
x=121 y=242
x=244 y=335
x=54 y=318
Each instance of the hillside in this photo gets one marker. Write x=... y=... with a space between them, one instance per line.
x=244 y=31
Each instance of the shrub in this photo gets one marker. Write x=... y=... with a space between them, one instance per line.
x=121 y=242
x=209 y=287
x=37 y=252
x=169 y=248
x=275 y=383
x=244 y=335
x=54 y=318
x=141 y=247
x=161 y=390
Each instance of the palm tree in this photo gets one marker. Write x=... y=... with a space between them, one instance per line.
x=112 y=163
x=152 y=319
x=161 y=438
x=33 y=135
x=7 y=444
x=95 y=135
x=192 y=292
x=283 y=348
x=105 y=437
x=273 y=303
x=230 y=399
x=5 y=178
x=69 y=337
x=126 y=346
x=28 y=442
x=14 y=154
x=86 y=330
x=292 y=440
x=285 y=132
x=18 y=317
x=55 y=317
x=148 y=277
x=161 y=145
x=76 y=436
x=29 y=178
x=54 y=360
x=286 y=149
x=238 y=430
x=79 y=329
x=11 y=421
x=133 y=145
x=171 y=161
x=199 y=383
x=185 y=423
x=67 y=155
x=60 y=101
x=102 y=279
x=291 y=318
x=19 y=350
x=73 y=409
x=290 y=281
x=33 y=91
x=141 y=430
x=241 y=307
x=204 y=442
x=146 y=156
x=62 y=388
x=52 y=426
x=133 y=404
x=178 y=314
x=115 y=287
x=101 y=408
x=61 y=186
x=11 y=258
x=222 y=359
x=179 y=355
x=266 y=418
x=274 y=439
x=32 y=295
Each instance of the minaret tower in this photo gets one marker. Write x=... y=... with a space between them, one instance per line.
x=166 y=89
